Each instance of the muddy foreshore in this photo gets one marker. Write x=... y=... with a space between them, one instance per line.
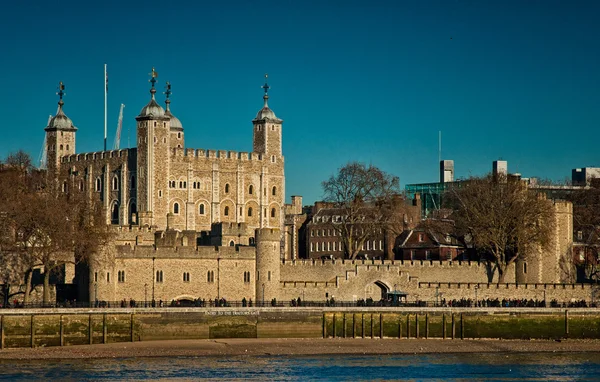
x=258 y=347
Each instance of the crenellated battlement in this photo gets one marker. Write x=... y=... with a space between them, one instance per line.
x=343 y=264
x=98 y=155
x=504 y=286
x=218 y=154
x=208 y=252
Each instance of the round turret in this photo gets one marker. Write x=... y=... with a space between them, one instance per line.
x=152 y=109
x=267 y=264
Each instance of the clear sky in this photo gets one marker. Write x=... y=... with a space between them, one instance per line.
x=370 y=81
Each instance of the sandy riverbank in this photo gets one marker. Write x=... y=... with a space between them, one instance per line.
x=255 y=347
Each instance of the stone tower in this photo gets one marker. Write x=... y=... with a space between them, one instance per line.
x=267 y=264
x=267 y=143
x=60 y=137
x=153 y=146
x=267 y=130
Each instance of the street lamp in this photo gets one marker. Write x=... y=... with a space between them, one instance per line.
x=263 y=298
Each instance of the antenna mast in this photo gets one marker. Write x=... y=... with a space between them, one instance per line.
x=105 y=96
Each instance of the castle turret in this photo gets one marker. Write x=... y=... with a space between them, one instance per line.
x=267 y=264
x=153 y=161
x=176 y=128
x=60 y=136
x=267 y=129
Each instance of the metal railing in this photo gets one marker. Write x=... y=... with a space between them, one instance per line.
x=201 y=303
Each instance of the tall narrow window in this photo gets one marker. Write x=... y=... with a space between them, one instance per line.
x=159 y=276
x=132 y=182
x=176 y=208
x=272 y=212
x=250 y=189
x=201 y=209
x=249 y=211
x=226 y=188
x=226 y=212
x=115 y=183
x=274 y=191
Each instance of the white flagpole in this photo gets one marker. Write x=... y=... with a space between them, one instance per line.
x=105 y=94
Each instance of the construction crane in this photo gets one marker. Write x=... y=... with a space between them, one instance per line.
x=119 y=127
x=44 y=150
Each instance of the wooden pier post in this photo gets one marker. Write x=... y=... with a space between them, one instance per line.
x=104 y=328
x=399 y=327
x=363 y=325
x=372 y=325
x=61 y=331
x=417 y=326
x=132 y=330
x=444 y=326
x=334 y=322
x=380 y=325
x=462 y=327
x=32 y=328
x=344 y=326
x=353 y=325
x=426 y=325
x=324 y=326
x=1 y=332
x=566 y=324
x=90 y=329
x=407 y=326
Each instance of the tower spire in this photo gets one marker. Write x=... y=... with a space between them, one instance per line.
x=266 y=87
x=60 y=93
x=167 y=93
x=152 y=80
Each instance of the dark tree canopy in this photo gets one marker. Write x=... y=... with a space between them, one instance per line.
x=500 y=218
x=42 y=227
x=363 y=196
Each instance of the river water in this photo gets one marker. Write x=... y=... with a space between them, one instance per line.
x=453 y=367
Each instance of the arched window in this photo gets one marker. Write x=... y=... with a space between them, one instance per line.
x=180 y=184
x=250 y=189
x=178 y=135
x=251 y=241
x=132 y=182
x=272 y=212
x=98 y=184
x=176 y=208
x=114 y=218
x=61 y=147
x=226 y=213
x=115 y=183
x=249 y=211
x=184 y=184
x=226 y=188
x=67 y=147
x=132 y=212
x=273 y=158
x=274 y=191
x=231 y=243
x=201 y=209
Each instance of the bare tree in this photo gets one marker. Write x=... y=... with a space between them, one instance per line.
x=362 y=196
x=43 y=228
x=586 y=224
x=501 y=219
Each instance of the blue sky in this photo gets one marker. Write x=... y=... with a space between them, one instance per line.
x=370 y=81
